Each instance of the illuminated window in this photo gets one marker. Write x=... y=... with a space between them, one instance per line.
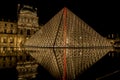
x=11 y=40
x=4 y=40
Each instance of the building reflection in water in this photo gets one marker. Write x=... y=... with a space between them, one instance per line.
x=12 y=74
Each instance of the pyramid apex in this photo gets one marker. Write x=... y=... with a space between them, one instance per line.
x=65 y=7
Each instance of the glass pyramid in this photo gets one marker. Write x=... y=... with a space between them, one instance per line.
x=67 y=33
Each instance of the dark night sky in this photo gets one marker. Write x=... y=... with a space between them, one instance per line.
x=102 y=16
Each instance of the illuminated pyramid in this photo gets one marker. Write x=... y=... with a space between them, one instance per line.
x=68 y=37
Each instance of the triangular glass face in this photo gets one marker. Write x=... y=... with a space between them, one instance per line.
x=78 y=33
x=67 y=32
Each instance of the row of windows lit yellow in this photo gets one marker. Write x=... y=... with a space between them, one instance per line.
x=13 y=58
x=29 y=20
x=27 y=69
x=7 y=61
x=11 y=31
x=7 y=24
x=7 y=65
x=6 y=39
x=22 y=31
x=7 y=48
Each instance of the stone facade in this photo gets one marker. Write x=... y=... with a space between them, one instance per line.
x=12 y=37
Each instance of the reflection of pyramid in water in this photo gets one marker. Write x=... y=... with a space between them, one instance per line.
x=84 y=46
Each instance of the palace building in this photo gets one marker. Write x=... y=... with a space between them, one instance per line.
x=12 y=37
